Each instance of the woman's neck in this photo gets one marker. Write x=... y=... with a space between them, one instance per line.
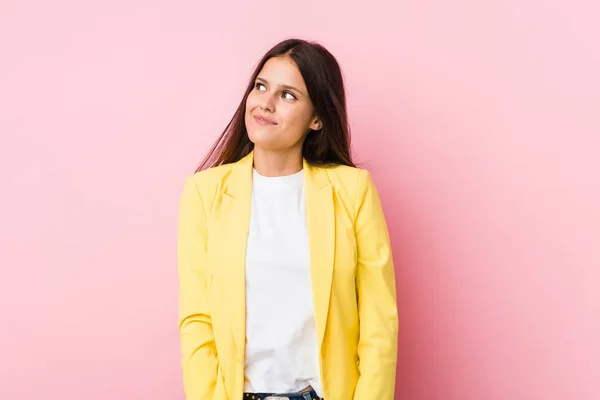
x=277 y=162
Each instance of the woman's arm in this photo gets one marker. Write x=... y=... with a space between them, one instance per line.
x=198 y=351
x=376 y=290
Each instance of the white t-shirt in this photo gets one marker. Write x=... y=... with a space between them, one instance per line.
x=281 y=348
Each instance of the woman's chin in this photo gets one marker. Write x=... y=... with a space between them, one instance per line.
x=262 y=138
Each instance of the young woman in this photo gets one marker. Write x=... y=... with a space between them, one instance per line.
x=287 y=283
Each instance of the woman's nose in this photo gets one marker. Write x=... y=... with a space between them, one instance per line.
x=267 y=102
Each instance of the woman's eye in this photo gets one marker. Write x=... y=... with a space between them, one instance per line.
x=262 y=88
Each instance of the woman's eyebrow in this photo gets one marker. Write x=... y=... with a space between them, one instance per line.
x=281 y=86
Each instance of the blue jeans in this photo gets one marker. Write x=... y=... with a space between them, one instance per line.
x=308 y=395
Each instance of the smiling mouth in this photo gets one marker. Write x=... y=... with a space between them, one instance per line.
x=264 y=121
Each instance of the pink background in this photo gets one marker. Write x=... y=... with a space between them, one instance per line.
x=480 y=121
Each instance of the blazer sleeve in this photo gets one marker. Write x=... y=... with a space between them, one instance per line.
x=197 y=341
x=376 y=292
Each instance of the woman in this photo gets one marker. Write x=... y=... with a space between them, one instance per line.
x=287 y=283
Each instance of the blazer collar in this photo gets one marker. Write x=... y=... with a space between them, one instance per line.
x=240 y=181
x=320 y=220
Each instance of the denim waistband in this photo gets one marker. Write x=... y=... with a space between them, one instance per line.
x=308 y=395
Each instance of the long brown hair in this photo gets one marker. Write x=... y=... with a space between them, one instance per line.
x=321 y=72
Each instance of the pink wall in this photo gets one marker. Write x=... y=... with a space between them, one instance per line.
x=478 y=119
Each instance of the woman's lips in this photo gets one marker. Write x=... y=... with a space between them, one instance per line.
x=264 y=121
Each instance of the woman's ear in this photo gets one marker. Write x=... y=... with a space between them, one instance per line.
x=316 y=124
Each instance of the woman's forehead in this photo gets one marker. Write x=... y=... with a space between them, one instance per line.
x=282 y=71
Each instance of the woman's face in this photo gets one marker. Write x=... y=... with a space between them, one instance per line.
x=279 y=112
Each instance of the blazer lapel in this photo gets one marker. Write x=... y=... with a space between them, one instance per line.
x=320 y=221
x=237 y=200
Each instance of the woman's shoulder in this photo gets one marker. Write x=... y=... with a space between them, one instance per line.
x=348 y=173
x=348 y=179
x=210 y=175
x=209 y=181
x=343 y=171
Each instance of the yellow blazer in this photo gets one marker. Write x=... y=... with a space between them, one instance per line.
x=351 y=269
